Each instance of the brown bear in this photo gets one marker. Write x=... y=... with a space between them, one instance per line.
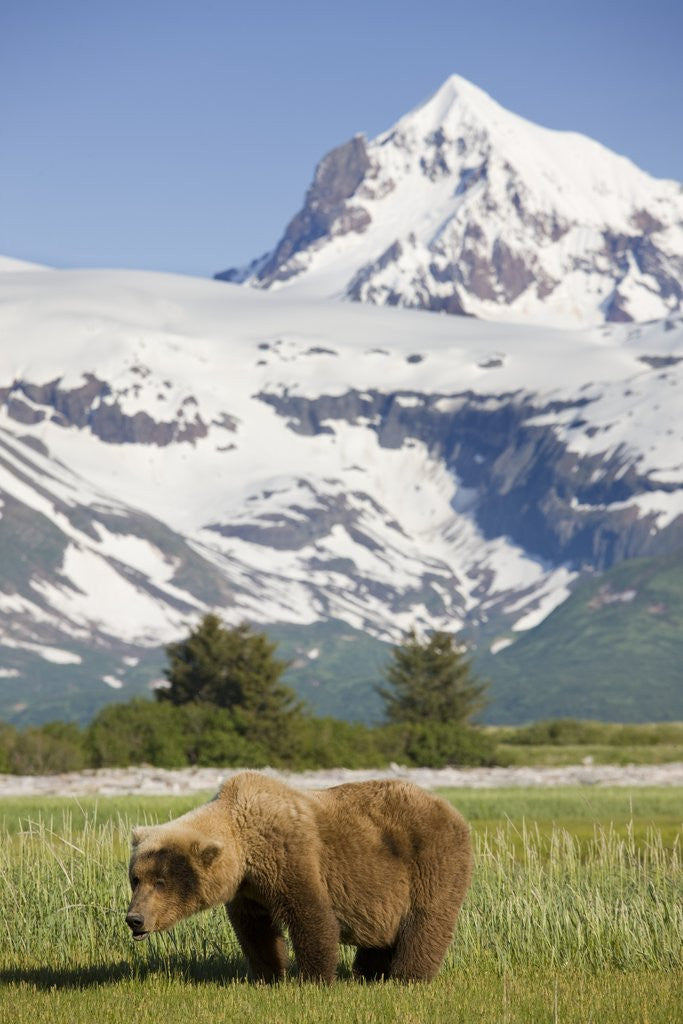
x=381 y=865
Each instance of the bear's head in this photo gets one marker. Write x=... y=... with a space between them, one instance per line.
x=175 y=872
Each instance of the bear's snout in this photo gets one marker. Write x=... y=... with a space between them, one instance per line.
x=136 y=923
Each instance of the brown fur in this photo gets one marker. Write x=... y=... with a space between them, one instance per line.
x=380 y=865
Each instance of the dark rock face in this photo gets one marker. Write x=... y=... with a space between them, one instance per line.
x=435 y=164
x=621 y=250
x=300 y=526
x=500 y=275
x=527 y=483
x=94 y=406
x=363 y=288
x=389 y=256
x=511 y=271
x=325 y=211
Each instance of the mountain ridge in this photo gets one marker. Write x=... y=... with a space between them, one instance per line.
x=463 y=207
x=171 y=445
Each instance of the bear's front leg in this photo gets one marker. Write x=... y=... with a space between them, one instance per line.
x=314 y=932
x=261 y=940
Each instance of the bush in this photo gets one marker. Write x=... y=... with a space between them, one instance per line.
x=139 y=732
x=646 y=734
x=442 y=744
x=559 y=732
x=48 y=749
x=198 y=733
x=210 y=738
x=332 y=743
x=168 y=736
x=8 y=738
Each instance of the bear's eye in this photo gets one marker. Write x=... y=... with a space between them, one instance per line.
x=134 y=881
x=160 y=883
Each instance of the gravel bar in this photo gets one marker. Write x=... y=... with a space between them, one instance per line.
x=147 y=781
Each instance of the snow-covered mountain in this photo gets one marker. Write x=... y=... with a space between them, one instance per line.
x=169 y=445
x=10 y=265
x=464 y=207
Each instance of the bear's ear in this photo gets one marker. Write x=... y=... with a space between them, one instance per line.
x=206 y=851
x=138 y=834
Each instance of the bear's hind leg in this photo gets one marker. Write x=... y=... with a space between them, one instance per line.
x=261 y=940
x=373 y=964
x=421 y=945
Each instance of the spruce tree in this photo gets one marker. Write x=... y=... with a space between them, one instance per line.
x=234 y=668
x=431 y=680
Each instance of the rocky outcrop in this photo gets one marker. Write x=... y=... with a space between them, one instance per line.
x=326 y=211
x=295 y=528
x=623 y=252
x=96 y=407
x=528 y=484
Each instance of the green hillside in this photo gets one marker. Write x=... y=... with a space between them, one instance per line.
x=334 y=668
x=613 y=651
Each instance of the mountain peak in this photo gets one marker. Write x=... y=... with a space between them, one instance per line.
x=465 y=207
x=453 y=97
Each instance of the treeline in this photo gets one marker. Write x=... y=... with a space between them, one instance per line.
x=144 y=732
x=226 y=705
x=567 y=732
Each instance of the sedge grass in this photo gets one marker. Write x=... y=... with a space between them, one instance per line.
x=574 y=807
x=538 y=900
x=557 y=926
x=455 y=997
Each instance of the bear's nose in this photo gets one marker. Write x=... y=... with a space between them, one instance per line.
x=135 y=922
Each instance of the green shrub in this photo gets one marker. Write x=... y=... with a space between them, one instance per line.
x=646 y=734
x=209 y=738
x=332 y=743
x=438 y=744
x=48 y=749
x=139 y=732
x=559 y=731
x=8 y=738
x=198 y=733
x=575 y=732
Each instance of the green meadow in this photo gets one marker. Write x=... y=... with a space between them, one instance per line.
x=575 y=914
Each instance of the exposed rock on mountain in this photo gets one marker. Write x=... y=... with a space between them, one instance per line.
x=463 y=207
x=522 y=480
x=95 y=405
x=170 y=445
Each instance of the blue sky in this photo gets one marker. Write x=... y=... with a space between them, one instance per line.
x=182 y=136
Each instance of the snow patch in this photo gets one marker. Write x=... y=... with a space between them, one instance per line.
x=113 y=681
x=550 y=597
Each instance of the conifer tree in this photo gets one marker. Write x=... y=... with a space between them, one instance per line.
x=234 y=668
x=431 y=680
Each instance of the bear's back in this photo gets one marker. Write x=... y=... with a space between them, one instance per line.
x=407 y=820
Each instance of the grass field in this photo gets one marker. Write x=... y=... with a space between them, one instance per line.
x=575 y=914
